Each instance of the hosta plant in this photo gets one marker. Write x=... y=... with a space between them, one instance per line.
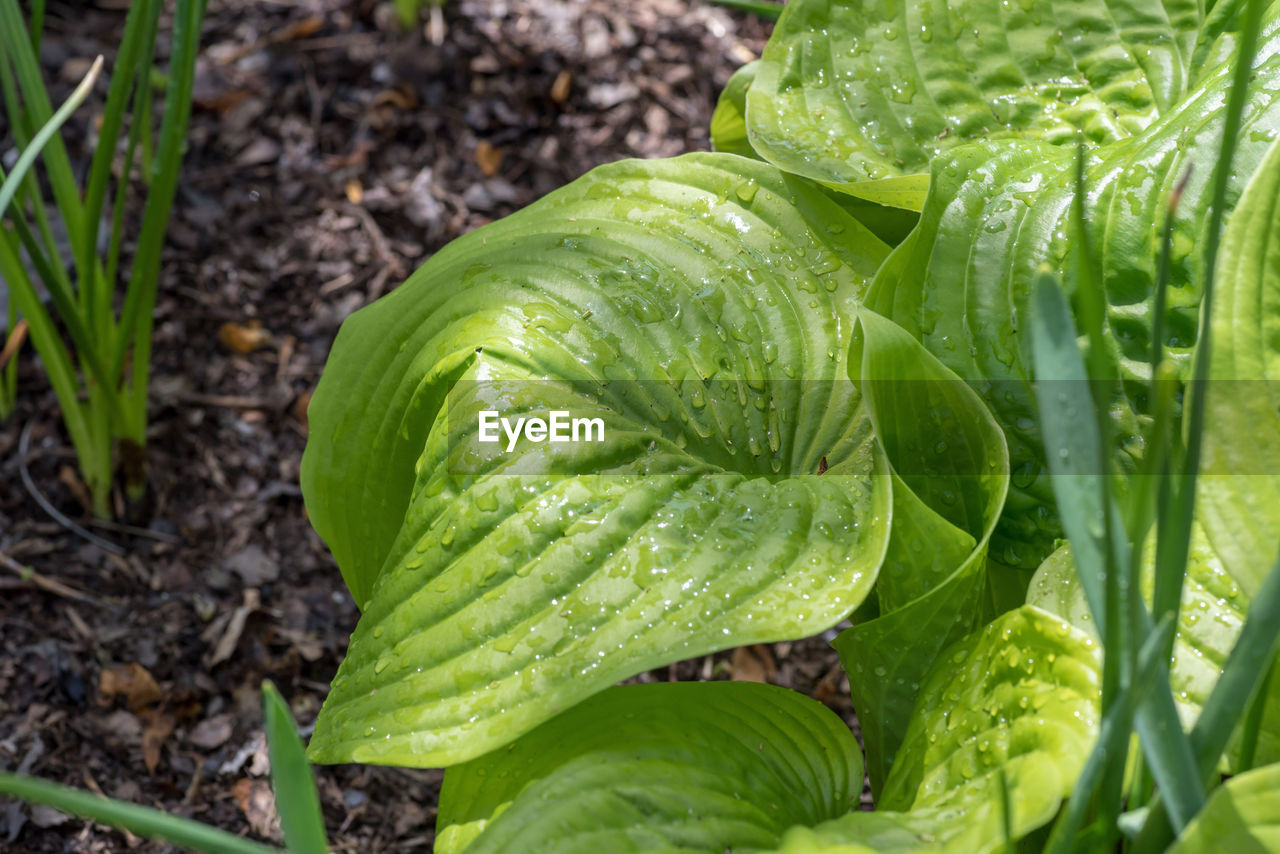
x=943 y=297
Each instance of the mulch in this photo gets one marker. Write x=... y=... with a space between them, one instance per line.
x=330 y=154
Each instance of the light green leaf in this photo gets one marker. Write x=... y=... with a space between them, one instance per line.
x=1239 y=485
x=849 y=91
x=1020 y=693
x=717 y=767
x=707 y=324
x=996 y=214
x=886 y=207
x=650 y=266
x=906 y=192
x=949 y=467
x=706 y=320
x=1021 y=696
x=685 y=766
x=1210 y=617
x=729 y=120
x=1243 y=815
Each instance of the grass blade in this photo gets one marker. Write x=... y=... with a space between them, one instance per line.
x=295 y=788
x=1006 y=814
x=1253 y=718
x=45 y=134
x=1168 y=751
x=139 y=130
x=37 y=25
x=95 y=292
x=53 y=353
x=1174 y=541
x=1070 y=437
x=14 y=35
x=144 y=821
x=763 y=8
x=136 y=316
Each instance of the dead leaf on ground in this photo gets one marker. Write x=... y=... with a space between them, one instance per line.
x=308 y=646
x=400 y=99
x=560 y=87
x=488 y=158
x=254 y=566
x=355 y=191
x=131 y=681
x=157 y=726
x=826 y=687
x=258 y=804
x=410 y=817
x=753 y=664
x=243 y=338
x=298 y=30
x=45 y=817
x=254 y=753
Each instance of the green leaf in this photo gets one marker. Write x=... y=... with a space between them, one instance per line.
x=295 y=789
x=685 y=766
x=949 y=467
x=1022 y=692
x=713 y=230
x=144 y=821
x=716 y=767
x=1240 y=462
x=996 y=215
x=729 y=121
x=885 y=207
x=706 y=320
x=1211 y=614
x=1242 y=815
x=1017 y=700
x=849 y=91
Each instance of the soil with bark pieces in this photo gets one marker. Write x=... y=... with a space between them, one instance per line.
x=330 y=154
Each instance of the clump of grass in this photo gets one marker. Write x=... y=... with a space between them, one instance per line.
x=94 y=337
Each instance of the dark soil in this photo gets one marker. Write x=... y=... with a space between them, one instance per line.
x=330 y=154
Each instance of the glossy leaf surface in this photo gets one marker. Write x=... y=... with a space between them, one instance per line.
x=849 y=91
x=685 y=766
x=703 y=308
x=1212 y=611
x=998 y=212
x=1243 y=816
x=948 y=464
x=1020 y=698
x=713 y=767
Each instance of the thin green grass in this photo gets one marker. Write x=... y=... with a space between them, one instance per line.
x=98 y=362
